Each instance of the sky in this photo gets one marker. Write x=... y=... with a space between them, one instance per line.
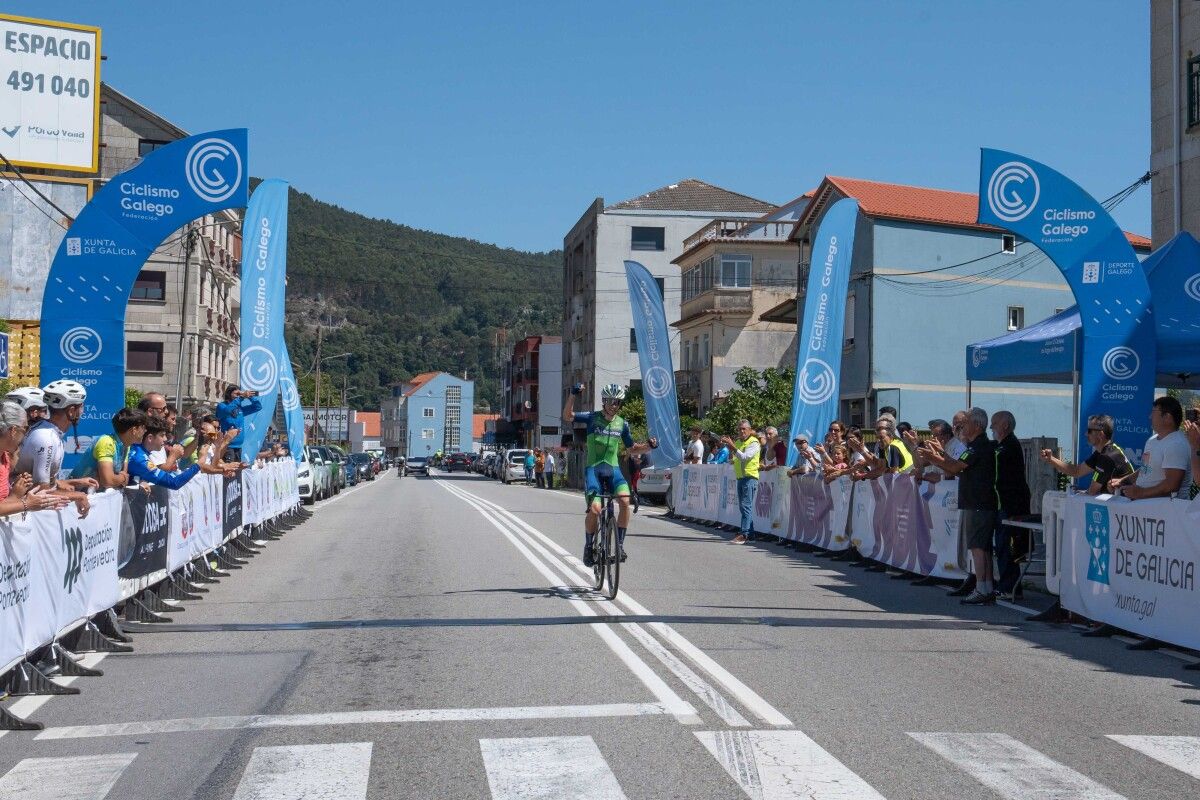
x=503 y=121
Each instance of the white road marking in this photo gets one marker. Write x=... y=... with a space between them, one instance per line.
x=75 y=778
x=382 y=717
x=1180 y=752
x=25 y=706
x=784 y=765
x=550 y=768
x=307 y=772
x=740 y=691
x=1012 y=769
x=682 y=710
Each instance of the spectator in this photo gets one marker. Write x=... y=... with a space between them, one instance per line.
x=976 y=473
x=836 y=434
x=1107 y=461
x=190 y=440
x=776 y=452
x=19 y=497
x=231 y=413
x=837 y=463
x=211 y=449
x=903 y=428
x=529 y=463
x=634 y=465
x=1166 y=460
x=889 y=411
x=154 y=404
x=539 y=468
x=717 y=453
x=745 y=455
x=1012 y=489
x=808 y=460
x=142 y=468
x=695 y=449
x=890 y=454
x=943 y=432
x=33 y=400
x=549 y=483
x=106 y=460
x=42 y=449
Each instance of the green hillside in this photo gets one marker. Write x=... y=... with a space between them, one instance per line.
x=403 y=301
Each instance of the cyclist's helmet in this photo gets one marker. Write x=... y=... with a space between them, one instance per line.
x=63 y=394
x=27 y=397
x=613 y=392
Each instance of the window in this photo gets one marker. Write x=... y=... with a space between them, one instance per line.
x=1016 y=318
x=704 y=351
x=647 y=239
x=848 y=325
x=427 y=412
x=144 y=356
x=633 y=340
x=662 y=287
x=1008 y=243
x=687 y=354
x=150 y=285
x=426 y=433
x=148 y=146
x=1193 y=91
x=735 y=271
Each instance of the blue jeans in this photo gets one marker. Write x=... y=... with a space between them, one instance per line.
x=746 y=489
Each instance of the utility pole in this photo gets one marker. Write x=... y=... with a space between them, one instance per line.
x=317 y=388
x=190 y=243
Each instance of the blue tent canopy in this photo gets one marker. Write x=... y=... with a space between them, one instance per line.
x=1050 y=352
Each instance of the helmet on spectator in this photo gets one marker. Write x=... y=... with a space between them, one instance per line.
x=64 y=394
x=612 y=392
x=27 y=397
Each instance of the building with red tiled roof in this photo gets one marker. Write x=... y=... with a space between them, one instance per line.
x=365 y=433
x=427 y=414
x=927 y=280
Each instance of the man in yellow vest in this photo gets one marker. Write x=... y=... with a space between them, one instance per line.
x=744 y=453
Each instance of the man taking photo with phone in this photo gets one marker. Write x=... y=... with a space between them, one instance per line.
x=230 y=414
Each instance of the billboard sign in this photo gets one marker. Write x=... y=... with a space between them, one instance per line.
x=31 y=231
x=335 y=422
x=49 y=93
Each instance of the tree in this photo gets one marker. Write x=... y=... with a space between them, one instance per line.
x=763 y=398
x=330 y=395
x=133 y=396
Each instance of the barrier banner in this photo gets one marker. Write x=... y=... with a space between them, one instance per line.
x=232 y=505
x=252 y=491
x=771 y=503
x=77 y=569
x=99 y=258
x=819 y=511
x=819 y=354
x=654 y=356
x=706 y=492
x=910 y=526
x=194 y=524
x=1132 y=564
x=146 y=515
x=16 y=587
x=264 y=278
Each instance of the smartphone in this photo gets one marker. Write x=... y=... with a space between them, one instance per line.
x=1192 y=415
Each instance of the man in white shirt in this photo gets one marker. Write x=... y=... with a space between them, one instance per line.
x=549 y=470
x=1167 y=460
x=695 y=448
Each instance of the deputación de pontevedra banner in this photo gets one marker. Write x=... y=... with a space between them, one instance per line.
x=264 y=279
x=1120 y=352
x=819 y=356
x=83 y=308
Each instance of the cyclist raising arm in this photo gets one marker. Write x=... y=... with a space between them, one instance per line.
x=606 y=432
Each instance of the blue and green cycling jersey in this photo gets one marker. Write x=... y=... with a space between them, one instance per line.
x=604 y=437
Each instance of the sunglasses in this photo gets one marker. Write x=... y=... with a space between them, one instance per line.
x=1095 y=430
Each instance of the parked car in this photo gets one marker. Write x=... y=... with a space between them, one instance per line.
x=655 y=483
x=457 y=462
x=322 y=472
x=362 y=466
x=306 y=479
x=416 y=465
x=342 y=467
x=514 y=466
x=481 y=464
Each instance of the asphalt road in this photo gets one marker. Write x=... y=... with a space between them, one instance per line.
x=430 y=638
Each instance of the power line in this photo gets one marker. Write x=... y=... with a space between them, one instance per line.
x=25 y=180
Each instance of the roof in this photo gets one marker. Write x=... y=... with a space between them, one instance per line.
x=691 y=194
x=912 y=203
x=370 y=423
x=419 y=381
x=479 y=424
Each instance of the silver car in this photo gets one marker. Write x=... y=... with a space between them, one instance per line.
x=655 y=483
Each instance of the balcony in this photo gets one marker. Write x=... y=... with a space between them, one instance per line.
x=718 y=300
x=740 y=229
x=687 y=383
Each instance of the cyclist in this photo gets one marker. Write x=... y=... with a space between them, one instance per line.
x=606 y=432
x=33 y=400
x=43 y=448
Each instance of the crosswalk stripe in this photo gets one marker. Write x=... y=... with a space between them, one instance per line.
x=307 y=772
x=1180 y=752
x=76 y=778
x=549 y=768
x=1013 y=769
x=784 y=765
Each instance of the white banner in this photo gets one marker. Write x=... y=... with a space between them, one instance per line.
x=910 y=526
x=194 y=524
x=1132 y=564
x=818 y=511
x=17 y=568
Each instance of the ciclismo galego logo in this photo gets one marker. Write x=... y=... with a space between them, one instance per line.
x=1013 y=191
x=213 y=169
x=80 y=345
x=817 y=383
x=1191 y=287
x=658 y=382
x=288 y=393
x=1121 y=363
x=260 y=370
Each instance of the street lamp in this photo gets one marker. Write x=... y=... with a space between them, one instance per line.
x=317 y=387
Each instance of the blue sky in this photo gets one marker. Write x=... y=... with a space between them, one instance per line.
x=502 y=121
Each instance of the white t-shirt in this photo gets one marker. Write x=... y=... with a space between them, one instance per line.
x=549 y=463
x=1170 y=452
x=41 y=453
x=695 y=451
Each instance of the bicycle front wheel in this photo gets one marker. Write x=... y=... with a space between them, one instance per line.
x=613 y=562
x=599 y=555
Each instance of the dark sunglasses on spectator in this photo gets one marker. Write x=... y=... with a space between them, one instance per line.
x=1095 y=430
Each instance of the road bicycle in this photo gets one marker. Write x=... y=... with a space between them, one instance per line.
x=606 y=552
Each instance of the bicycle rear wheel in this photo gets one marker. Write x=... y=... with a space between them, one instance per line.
x=613 y=564
x=599 y=555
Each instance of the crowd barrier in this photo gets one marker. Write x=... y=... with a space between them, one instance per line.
x=892 y=519
x=59 y=570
